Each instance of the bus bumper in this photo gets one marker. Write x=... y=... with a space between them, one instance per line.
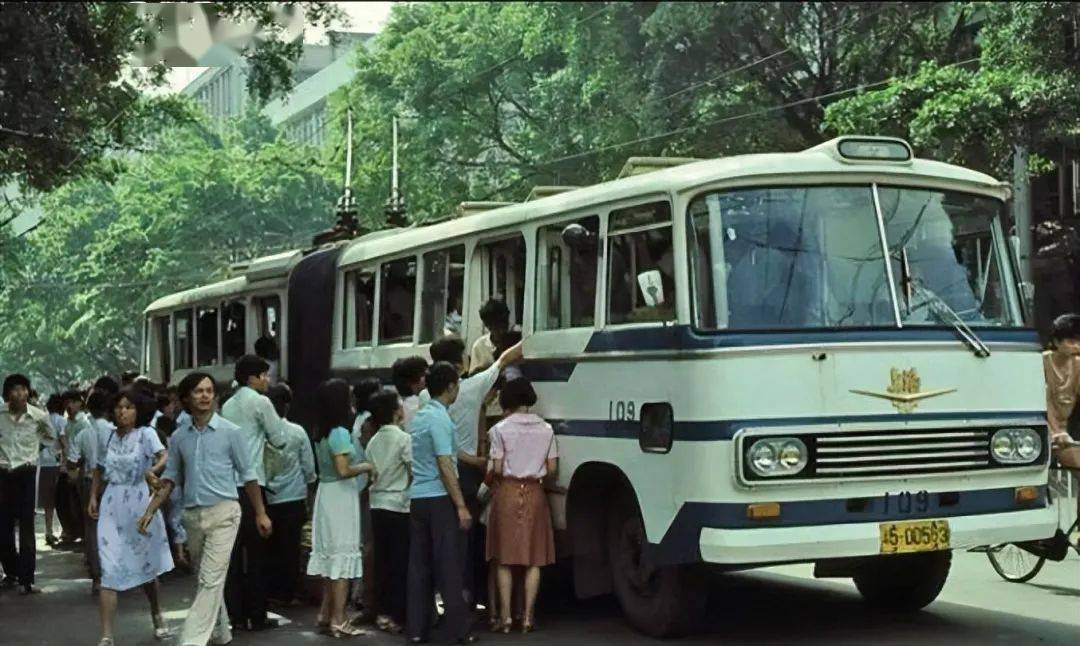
x=811 y=543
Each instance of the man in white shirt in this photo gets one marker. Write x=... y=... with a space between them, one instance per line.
x=465 y=413
x=495 y=316
x=23 y=429
x=249 y=409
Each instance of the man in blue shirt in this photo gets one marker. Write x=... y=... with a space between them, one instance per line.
x=206 y=456
x=438 y=517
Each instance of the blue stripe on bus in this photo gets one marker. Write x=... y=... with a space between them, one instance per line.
x=683 y=337
x=708 y=431
x=681 y=541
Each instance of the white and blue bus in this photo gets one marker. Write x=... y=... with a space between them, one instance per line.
x=813 y=357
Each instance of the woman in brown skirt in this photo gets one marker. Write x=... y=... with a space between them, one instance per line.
x=520 y=538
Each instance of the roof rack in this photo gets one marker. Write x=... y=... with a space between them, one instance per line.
x=540 y=192
x=642 y=165
x=472 y=208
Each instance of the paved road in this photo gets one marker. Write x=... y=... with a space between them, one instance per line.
x=775 y=606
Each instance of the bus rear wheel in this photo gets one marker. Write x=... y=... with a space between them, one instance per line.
x=659 y=601
x=903 y=583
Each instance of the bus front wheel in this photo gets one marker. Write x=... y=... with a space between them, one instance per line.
x=903 y=583
x=660 y=601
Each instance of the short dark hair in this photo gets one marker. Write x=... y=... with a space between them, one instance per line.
x=13 y=380
x=516 y=393
x=97 y=403
x=441 y=375
x=248 y=366
x=1065 y=327
x=407 y=371
x=107 y=385
x=280 y=396
x=55 y=404
x=495 y=314
x=332 y=399
x=128 y=376
x=448 y=348
x=189 y=383
x=383 y=405
x=266 y=348
x=363 y=391
x=507 y=341
x=143 y=403
x=70 y=395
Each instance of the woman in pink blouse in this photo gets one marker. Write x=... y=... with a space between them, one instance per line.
x=520 y=538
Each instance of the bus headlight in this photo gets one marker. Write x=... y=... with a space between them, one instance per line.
x=1016 y=445
x=780 y=456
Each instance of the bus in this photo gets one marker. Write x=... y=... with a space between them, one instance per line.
x=811 y=357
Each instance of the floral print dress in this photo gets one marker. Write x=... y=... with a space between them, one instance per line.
x=128 y=558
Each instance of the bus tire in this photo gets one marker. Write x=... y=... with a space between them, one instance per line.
x=662 y=601
x=903 y=583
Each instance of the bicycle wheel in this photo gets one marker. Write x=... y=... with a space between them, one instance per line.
x=1014 y=564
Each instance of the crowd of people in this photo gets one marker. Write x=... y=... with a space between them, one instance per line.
x=429 y=488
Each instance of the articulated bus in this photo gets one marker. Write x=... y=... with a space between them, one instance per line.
x=813 y=357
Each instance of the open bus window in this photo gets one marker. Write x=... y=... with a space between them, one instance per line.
x=505 y=275
x=206 y=337
x=398 y=303
x=233 y=318
x=443 y=289
x=641 y=270
x=568 y=259
x=362 y=284
x=268 y=311
x=160 y=332
x=183 y=331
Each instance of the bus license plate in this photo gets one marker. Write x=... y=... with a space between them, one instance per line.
x=914 y=536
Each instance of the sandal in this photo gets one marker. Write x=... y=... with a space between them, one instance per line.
x=160 y=631
x=106 y=641
x=506 y=625
x=348 y=630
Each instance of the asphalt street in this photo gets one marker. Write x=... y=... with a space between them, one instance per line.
x=775 y=606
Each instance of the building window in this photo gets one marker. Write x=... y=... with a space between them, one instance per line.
x=398 y=304
x=443 y=290
x=641 y=269
x=568 y=259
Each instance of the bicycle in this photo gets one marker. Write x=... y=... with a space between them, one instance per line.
x=1021 y=562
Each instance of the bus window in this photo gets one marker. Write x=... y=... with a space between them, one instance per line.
x=206 y=337
x=363 y=286
x=160 y=330
x=641 y=269
x=442 y=290
x=566 y=274
x=398 y=302
x=233 y=315
x=183 y=331
x=268 y=309
x=505 y=278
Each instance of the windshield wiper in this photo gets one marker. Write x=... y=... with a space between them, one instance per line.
x=941 y=309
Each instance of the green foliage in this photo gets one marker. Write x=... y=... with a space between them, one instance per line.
x=72 y=297
x=1021 y=89
x=68 y=97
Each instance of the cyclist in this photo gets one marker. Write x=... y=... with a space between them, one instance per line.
x=1061 y=367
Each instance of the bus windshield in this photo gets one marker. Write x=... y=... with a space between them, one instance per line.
x=812 y=257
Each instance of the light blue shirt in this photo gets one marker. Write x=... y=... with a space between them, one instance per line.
x=337 y=443
x=298 y=467
x=259 y=422
x=86 y=444
x=207 y=463
x=432 y=436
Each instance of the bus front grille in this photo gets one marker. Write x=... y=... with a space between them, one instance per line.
x=906 y=453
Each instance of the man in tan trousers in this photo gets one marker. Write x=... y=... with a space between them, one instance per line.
x=206 y=456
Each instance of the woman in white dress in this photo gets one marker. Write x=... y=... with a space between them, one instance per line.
x=129 y=461
x=335 y=526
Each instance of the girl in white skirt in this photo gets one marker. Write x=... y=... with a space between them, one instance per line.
x=335 y=526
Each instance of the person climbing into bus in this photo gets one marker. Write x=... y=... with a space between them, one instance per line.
x=495 y=316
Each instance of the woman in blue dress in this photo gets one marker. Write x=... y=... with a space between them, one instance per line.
x=129 y=461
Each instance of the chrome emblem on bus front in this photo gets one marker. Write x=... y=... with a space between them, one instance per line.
x=903 y=391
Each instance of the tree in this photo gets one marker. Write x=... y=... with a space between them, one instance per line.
x=66 y=98
x=496 y=98
x=72 y=299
